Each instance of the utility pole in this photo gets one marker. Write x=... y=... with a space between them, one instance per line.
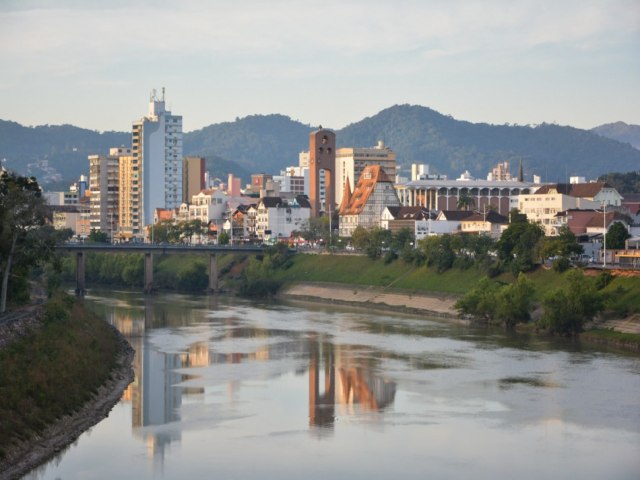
x=604 y=234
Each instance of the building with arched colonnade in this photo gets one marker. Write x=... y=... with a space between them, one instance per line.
x=445 y=194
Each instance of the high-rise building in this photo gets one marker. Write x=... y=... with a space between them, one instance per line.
x=157 y=159
x=192 y=177
x=350 y=163
x=104 y=184
x=128 y=198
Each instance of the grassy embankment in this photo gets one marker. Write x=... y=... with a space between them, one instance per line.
x=622 y=293
x=53 y=370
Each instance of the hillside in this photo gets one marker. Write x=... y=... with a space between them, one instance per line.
x=258 y=143
x=621 y=132
x=54 y=153
x=268 y=143
x=419 y=134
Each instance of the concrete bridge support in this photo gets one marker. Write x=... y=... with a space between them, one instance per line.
x=148 y=272
x=80 y=281
x=213 y=273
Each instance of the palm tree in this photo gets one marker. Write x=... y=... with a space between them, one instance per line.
x=465 y=201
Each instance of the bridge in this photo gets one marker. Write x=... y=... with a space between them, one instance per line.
x=80 y=251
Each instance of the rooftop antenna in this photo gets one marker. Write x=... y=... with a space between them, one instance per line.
x=163 y=94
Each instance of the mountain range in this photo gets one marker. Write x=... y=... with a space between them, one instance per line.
x=57 y=155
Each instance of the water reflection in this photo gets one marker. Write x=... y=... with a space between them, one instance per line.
x=342 y=380
x=252 y=391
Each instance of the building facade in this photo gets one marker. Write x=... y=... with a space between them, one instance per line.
x=373 y=193
x=104 y=185
x=278 y=218
x=351 y=162
x=157 y=156
x=192 y=177
x=445 y=194
x=547 y=202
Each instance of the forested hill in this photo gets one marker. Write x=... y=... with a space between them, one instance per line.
x=419 y=134
x=621 y=132
x=54 y=153
x=257 y=143
x=268 y=143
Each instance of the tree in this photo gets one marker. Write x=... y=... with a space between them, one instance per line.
x=567 y=310
x=564 y=245
x=98 y=236
x=223 y=238
x=465 y=201
x=360 y=238
x=316 y=229
x=22 y=213
x=438 y=251
x=517 y=246
x=617 y=235
x=516 y=217
x=514 y=302
x=480 y=301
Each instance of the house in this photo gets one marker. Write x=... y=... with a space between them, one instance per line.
x=489 y=223
x=363 y=208
x=544 y=205
x=448 y=221
x=277 y=218
x=207 y=205
x=416 y=219
x=589 y=221
x=244 y=223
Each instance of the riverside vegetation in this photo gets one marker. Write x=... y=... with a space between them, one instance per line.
x=498 y=283
x=51 y=370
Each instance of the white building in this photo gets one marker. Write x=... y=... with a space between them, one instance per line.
x=548 y=201
x=278 y=218
x=208 y=205
x=157 y=156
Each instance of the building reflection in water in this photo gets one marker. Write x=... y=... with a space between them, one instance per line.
x=348 y=383
x=339 y=377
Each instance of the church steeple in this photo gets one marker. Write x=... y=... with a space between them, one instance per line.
x=520 y=172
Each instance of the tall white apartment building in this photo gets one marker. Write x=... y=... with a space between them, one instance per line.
x=157 y=157
x=104 y=187
x=350 y=163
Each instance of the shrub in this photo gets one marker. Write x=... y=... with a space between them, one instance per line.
x=567 y=310
x=561 y=264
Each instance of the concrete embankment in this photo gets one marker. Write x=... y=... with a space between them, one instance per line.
x=441 y=305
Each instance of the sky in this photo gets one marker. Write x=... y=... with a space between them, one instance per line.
x=94 y=64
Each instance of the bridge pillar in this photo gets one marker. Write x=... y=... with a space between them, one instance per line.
x=80 y=285
x=148 y=272
x=213 y=273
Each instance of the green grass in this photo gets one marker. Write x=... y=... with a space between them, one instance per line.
x=624 y=292
x=53 y=371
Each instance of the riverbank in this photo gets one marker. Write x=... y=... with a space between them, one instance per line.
x=34 y=446
x=435 y=304
x=619 y=333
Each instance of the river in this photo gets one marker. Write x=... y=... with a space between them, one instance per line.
x=232 y=389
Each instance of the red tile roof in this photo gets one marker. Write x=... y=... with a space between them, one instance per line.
x=578 y=190
x=371 y=175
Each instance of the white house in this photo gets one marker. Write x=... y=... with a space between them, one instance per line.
x=278 y=218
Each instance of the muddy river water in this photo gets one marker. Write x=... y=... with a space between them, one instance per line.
x=231 y=389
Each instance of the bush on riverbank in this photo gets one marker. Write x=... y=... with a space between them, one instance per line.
x=53 y=370
x=505 y=305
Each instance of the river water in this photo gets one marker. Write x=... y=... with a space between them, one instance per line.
x=231 y=389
